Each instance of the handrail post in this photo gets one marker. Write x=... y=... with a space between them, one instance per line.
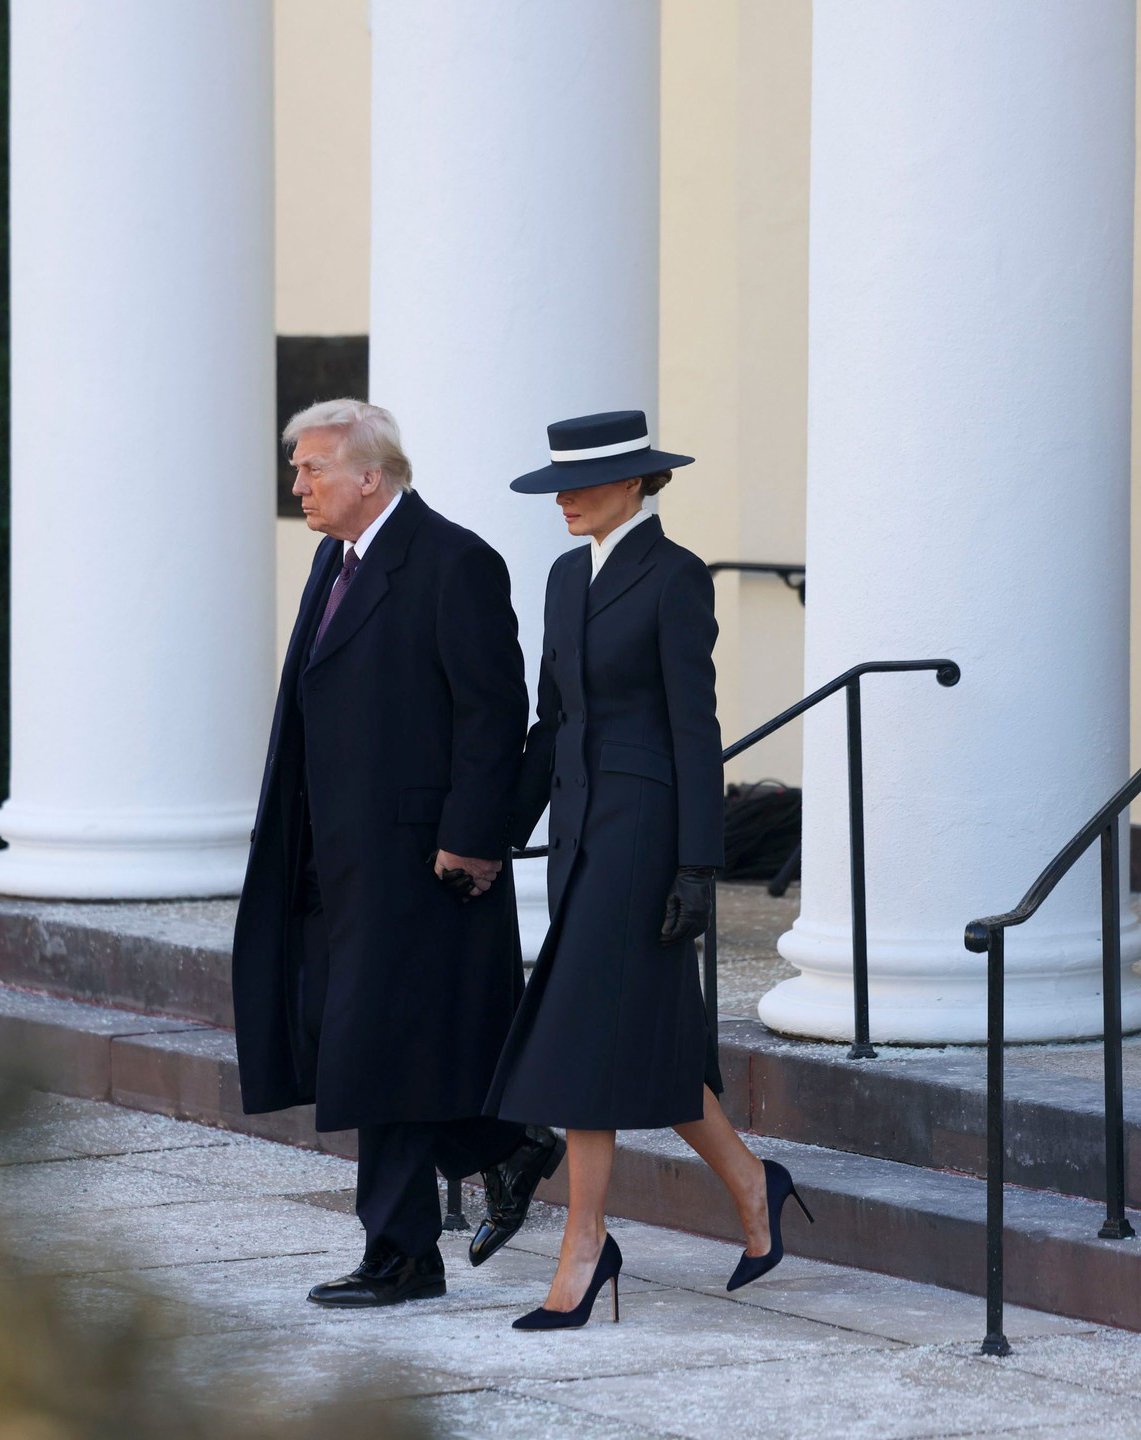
x=861 y=1044
x=709 y=960
x=1116 y=1226
x=995 y=1342
x=455 y=1219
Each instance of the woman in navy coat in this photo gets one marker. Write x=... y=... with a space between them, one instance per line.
x=612 y=1032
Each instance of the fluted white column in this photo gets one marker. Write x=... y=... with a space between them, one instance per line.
x=142 y=443
x=514 y=256
x=969 y=400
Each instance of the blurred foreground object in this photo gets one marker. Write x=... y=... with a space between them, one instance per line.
x=74 y=1370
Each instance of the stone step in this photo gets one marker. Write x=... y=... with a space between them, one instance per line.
x=874 y=1213
x=165 y=957
x=927 y=1107
x=145 y=1062
x=922 y=1107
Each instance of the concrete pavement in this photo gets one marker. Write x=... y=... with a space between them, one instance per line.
x=226 y=1233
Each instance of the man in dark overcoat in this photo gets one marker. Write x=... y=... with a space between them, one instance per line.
x=376 y=951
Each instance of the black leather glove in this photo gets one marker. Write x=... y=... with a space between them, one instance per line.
x=688 y=905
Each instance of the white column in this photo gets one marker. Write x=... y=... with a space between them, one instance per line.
x=969 y=401
x=514 y=257
x=142 y=444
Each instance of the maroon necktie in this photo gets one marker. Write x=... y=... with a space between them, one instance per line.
x=337 y=593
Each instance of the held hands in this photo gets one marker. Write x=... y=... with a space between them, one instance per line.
x=688 y=905
x=463 y=875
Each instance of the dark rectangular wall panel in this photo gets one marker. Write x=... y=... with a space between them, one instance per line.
x=311 y=368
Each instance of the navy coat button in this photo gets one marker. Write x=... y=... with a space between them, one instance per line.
x=555 y=843
x=582 y=779
x=574 y=843
x=562 y=717
x=556 y=783
x=552 y=654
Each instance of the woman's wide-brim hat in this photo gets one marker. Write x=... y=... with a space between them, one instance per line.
x=596 y=450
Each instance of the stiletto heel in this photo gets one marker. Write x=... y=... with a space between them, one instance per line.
x=608 y=1267
x=778 y=1187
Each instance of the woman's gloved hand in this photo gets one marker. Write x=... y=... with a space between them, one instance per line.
x=688 y=905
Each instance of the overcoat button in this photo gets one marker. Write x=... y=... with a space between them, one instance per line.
x=562 y=717
x=556 y=782
x=574 y=843
x=582 y=779
x=552 y=654
x=555 y=843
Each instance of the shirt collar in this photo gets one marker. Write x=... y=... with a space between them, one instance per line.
x=599 y=552
x=366 y=537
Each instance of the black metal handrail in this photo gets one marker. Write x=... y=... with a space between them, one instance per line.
x=792 y=575
x=947 y=673
x=988 y=936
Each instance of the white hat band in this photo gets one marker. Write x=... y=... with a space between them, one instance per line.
x=598 y=452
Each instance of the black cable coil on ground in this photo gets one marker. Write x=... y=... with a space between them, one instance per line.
x=762 y=833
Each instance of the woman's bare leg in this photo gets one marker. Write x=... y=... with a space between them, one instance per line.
x=737 y=1167
x=590 y=1156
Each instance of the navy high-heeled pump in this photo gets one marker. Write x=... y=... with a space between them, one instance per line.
x=609 y=1264
x=778 y=1187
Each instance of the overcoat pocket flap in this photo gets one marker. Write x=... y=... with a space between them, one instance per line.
x=421 y=805
x=637 y=760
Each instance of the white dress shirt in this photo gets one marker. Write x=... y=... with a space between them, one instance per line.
x=600 y=552
x=366 y=537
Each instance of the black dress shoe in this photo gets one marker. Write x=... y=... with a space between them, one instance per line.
x=510 y=1187
x=385 y=1281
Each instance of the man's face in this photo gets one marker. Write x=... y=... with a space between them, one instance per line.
x=336 y=496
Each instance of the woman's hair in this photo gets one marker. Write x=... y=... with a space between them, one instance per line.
x=371 y=435
x=651 y=484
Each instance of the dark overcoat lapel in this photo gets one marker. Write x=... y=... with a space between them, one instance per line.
x=371 y=582
x=631 y=561
x=326 y=567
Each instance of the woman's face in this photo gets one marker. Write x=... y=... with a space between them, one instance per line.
x=599 y=509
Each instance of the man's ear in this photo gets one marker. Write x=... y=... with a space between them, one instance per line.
x=371 y=481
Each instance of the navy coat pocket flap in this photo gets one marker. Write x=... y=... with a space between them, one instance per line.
x=422 y=805
x=637 y=760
